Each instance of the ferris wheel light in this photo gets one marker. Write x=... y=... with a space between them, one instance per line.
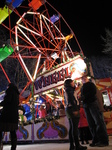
x=28 y=39
x=54 y=56
x=27 y=29
x=25 y=68
x=34 y=77
x=20 y=18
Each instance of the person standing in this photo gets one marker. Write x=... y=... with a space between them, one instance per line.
x=72 y=112
x=9 y=115
x=83 y=126
x=93 y=113
x=42 y=112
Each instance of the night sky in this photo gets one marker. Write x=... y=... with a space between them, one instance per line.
x=88 y=20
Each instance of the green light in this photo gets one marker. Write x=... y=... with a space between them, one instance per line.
x=5 y=52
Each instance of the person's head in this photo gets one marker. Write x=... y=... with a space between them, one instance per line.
x=41 y=107
x=12 y=86
x=84 y=79
x=81 y=104
x=68 y=83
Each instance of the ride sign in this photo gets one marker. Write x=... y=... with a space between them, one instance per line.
x=73 y=69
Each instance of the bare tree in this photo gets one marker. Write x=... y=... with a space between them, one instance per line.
x=102 y=66
x=107 y=42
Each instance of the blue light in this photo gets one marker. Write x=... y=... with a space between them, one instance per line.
x=40 y=101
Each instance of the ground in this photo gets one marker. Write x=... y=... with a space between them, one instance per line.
x=56 y=146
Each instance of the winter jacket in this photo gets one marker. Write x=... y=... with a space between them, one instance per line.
x=82 y=121
x=42 y=113
x=70 y=99
x=88 y=93
x=100 y=100
x=9 y=115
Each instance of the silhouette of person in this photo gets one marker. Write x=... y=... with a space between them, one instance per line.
x=9 y=115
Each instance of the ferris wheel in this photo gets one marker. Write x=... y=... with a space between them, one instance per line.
x=40 y=39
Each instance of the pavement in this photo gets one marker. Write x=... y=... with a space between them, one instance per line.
x=55 y=146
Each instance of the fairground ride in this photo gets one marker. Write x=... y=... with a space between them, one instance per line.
x=39 y=40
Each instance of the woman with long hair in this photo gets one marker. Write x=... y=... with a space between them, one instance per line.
x=72 y=112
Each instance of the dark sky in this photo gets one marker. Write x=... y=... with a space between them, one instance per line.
x=88 y=20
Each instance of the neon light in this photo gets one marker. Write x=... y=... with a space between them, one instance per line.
x=37 y=67
x=29 y=30
x=48 y=26
x=16 y=38
x=21 y=18
x=41 y=24
x=28 y=39
x=25 y=68
x=33 y=13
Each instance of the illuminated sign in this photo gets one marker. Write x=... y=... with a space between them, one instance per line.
x=73 y=69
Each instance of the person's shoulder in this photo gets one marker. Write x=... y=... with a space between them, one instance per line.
x=90 y=83
x=69 y=89
x=86 y=84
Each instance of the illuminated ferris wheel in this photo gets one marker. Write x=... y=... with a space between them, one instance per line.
x=42 y=39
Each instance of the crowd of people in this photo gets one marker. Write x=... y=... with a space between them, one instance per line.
x=84 y=113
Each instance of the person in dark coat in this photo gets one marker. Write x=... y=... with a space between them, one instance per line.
x=92 y=109
x=9 y=115
x=72 y=112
